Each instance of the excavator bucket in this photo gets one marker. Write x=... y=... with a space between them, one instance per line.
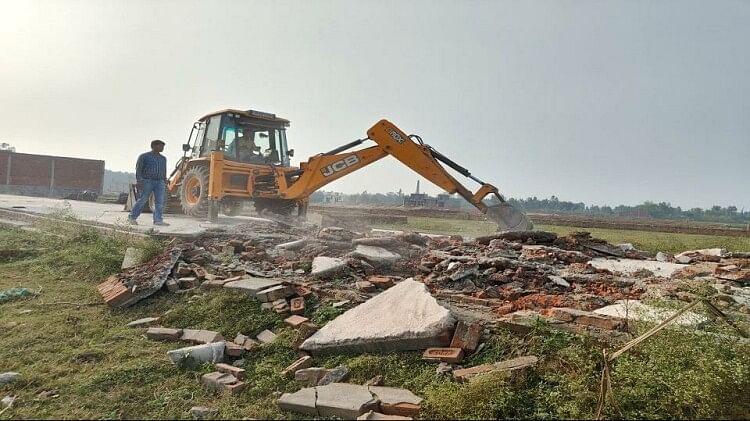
x=509 y=218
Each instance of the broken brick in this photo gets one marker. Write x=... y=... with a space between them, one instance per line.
x=237 y=372
x=302 y=291
x=365 y=286
x=201 y=336
x=381 y=282
x=297 y=305
x=467 y=336
x=235 y=388
x=234 y=350
x=448 y=355
x=172 y=285
x=304 y=362
x=188 y=283
x=295 y=321
x=274 y=293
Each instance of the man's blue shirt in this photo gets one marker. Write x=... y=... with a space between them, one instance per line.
x=151 y=166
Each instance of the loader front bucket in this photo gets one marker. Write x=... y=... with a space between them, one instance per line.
x=509 y=218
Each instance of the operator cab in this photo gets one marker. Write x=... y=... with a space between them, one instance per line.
x=252 y=137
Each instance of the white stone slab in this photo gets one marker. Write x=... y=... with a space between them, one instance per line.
x=635 y=310
x=629 y=266
x=404 y=317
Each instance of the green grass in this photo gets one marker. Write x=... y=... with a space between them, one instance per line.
x=644 y=240
x=102 y=369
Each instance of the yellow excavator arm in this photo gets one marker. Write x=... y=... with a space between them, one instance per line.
x=325 y=168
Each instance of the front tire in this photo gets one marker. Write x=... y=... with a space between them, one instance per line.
x=194 y=192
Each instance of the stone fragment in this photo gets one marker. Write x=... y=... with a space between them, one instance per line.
x=304 y=362
x=9 y=377
x=7 y=401
x=559 y=280
x=278 y=292
x=310 y=376
x=302 y=402
x=217 y=381
x=133 y=257
x=448 y=355
x=280 y=306
x=251 y=286
x=266 y=336
x=213 y=352
x=467 y=336
x=297 y=305
x=404 y=317
x=163 y=334
x=375 y=255
x=338 y=374
x=202 y=412
x=326 y=267
x=143 y=322
x=172 y=285
x=237 y=372
x=372 y=415
x=635 y=310
x=235 y=388
x=214 y=283
x=342 y=400
x=395 y=401
x=304 y=331
x=295 y=321
x=664 y=257
x=197 y=336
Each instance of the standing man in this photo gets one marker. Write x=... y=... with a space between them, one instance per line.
x=151 y=176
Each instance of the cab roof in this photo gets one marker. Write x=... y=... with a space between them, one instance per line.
x=260 y=115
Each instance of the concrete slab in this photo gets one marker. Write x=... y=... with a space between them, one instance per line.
x=635 y=310
x=375 y=255
x=251 y=286
x=113 y=215
x=404 y=317
x=323 y=266
x=301 y=402
x=629 y=266
x=343 y=400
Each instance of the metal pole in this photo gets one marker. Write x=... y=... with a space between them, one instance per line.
x=7 y=175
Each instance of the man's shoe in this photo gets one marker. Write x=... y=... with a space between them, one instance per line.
x=132 y=221
x=161 y=223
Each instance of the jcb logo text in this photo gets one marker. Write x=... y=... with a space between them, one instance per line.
x=339 y=165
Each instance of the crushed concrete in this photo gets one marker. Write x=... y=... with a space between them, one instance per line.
x=404 y=317
x=635 y=310
x=631 y=266
x=9 y=377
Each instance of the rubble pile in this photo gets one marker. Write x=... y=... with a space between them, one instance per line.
x=407 y=291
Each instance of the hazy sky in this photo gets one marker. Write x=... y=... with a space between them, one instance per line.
x=605 y=102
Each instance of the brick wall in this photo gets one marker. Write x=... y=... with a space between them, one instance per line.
x=37 y=173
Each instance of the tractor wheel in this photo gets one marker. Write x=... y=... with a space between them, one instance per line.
x=194 y=192
x=277 y=206
x=231 y=207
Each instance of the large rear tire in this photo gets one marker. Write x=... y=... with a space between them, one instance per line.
x=194 y=192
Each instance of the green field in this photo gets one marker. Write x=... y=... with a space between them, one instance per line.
x=644 y=240
x=73 y=345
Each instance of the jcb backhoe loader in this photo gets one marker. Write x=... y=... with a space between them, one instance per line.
x=234 y=155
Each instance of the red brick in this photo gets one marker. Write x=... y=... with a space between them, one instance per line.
x=297 y=305
x=401 y=409
x=234 y=389
x=467 y=336
x=114 y=292
x=234 y=350
x=302 y=291
x=448 y=355
x=381 y=282
x=365 y=286
x=230 y=369
x=201 y=336
x=502 y=310
x=304 y=362
x=464 y=374
x=295 y=321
